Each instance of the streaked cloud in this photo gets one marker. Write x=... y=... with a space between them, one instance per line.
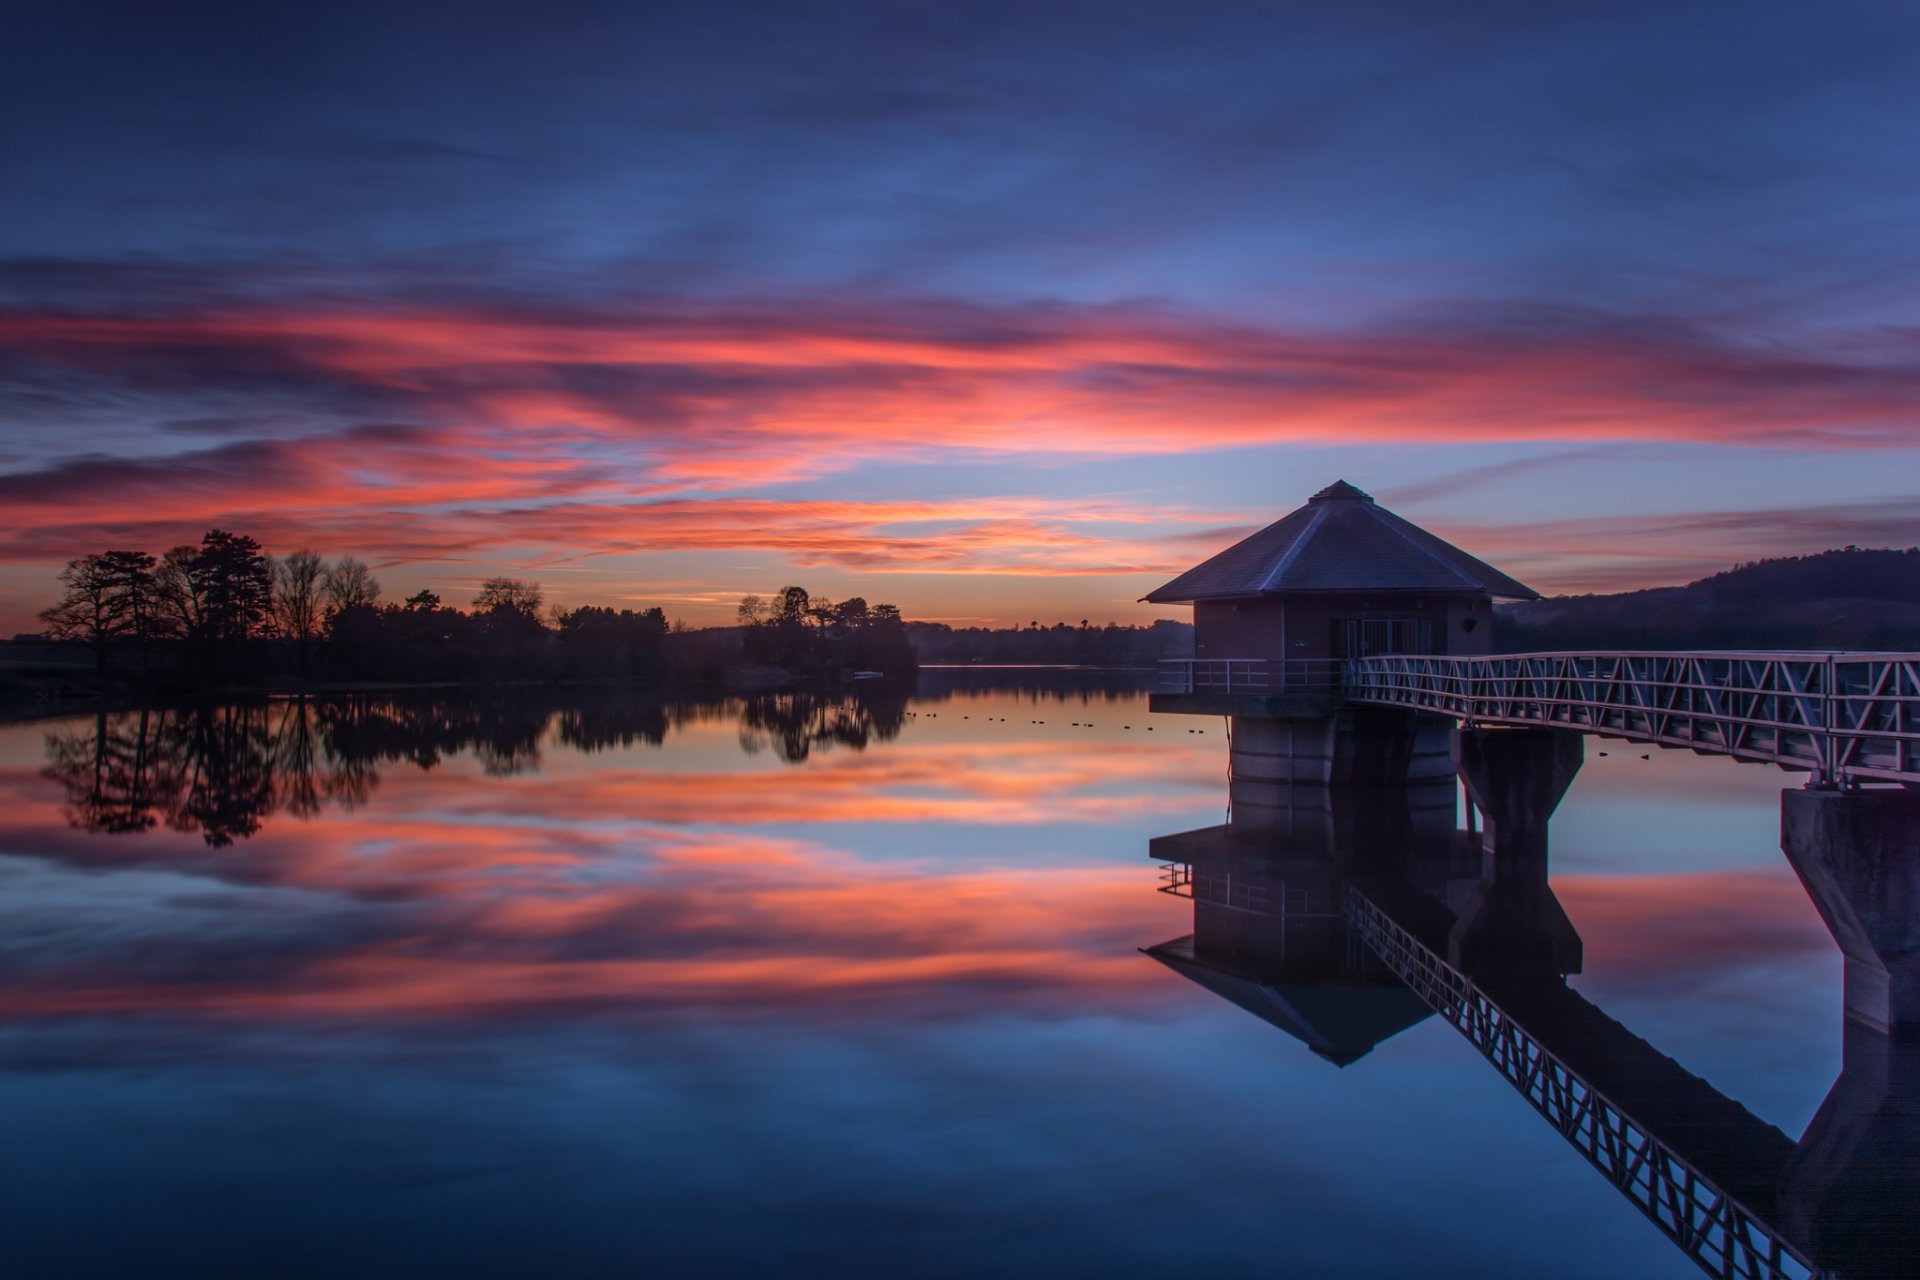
x=432 y=431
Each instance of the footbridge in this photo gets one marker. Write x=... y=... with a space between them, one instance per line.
x=1844 y=717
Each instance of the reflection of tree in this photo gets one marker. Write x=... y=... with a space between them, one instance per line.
x=296 y=760
x=795 y=723
x=603 y=726
x=118 y=775
x=230 y=775
x=223 y=770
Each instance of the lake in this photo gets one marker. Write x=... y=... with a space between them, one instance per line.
x=853 y=985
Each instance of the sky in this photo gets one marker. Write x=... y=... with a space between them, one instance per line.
x=998 y=312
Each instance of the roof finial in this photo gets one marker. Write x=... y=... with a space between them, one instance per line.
x=1340 y=491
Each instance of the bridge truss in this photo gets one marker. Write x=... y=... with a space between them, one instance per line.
x=1845 y=717
x=1722 y=1236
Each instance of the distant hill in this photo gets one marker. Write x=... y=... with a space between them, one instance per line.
x=1847 y=599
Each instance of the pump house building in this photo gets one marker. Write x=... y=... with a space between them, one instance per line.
x=1342 y=577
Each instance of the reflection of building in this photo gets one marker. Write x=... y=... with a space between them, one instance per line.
x=1270 y=936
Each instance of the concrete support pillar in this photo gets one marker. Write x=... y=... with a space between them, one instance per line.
x=1515 y=777
x=1858 y=854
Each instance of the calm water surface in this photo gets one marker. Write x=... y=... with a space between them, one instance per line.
x=520 y=988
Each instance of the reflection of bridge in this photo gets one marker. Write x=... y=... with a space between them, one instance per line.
x=1736 y=1195
x=1700 y=1166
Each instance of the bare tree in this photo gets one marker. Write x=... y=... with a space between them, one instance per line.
x=296 y=601
x=752 y=609
x=349 y=584
x=177 y=591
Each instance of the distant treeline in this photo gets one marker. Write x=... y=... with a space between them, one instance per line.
x=1085 y=645
x=1845 y=599
x=225 y=612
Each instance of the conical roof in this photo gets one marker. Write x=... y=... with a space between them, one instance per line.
x=1342 y=540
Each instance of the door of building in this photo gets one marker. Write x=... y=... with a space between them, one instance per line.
x=1371 y=635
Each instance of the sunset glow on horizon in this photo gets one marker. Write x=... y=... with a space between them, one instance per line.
x=997 y=313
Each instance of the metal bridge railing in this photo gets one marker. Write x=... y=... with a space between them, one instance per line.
x=1844 y=716
x=1248 y=675
x=1720 y=1234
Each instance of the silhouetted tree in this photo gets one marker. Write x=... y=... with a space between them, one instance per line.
x=349 y=584
x=218 y=594
x=108 y=596
x=509 y=593
x=297 y=591
x=236 y=586
x=851 y=613
x=177 y=593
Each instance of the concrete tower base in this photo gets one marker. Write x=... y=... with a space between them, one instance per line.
x=1858 y=854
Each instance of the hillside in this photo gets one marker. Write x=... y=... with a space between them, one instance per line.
x=1846 y=599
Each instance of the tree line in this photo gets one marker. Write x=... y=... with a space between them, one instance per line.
x=226 y=608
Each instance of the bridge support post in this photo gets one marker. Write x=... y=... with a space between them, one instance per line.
x=1515 y=777
x=1858 y=854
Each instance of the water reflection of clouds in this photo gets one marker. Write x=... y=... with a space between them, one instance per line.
x=597 y=887
x=452 y=892
x=702 y=926
x=606 y=998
